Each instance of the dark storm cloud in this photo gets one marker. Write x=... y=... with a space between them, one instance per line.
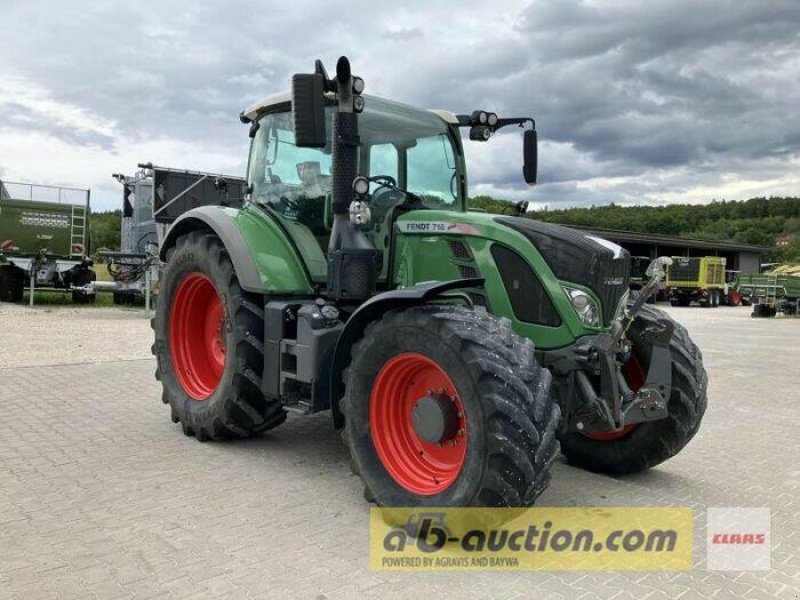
x=665 y=83
x=634 y=101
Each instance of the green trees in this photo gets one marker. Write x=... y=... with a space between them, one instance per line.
x=755 y=221
x=104 y=230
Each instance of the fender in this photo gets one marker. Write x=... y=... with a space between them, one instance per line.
x=372 y=310
x=265 y=260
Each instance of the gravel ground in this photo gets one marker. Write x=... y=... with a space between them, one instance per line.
x=52 y=335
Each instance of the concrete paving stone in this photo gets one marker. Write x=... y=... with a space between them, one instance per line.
x=101 y=496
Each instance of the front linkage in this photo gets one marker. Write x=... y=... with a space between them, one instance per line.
x=595 y=363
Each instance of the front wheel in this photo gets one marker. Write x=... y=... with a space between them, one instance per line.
x=644 y=445
x=446 y=406
x=209 y=344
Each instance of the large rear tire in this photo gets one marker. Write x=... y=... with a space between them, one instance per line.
x=497 y=438
x=209 y=344
x=12 y=283
x=647 y=444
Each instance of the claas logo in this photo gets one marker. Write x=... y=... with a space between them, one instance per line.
x=739 y=538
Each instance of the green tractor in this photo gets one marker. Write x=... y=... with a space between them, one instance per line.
x=455 y=349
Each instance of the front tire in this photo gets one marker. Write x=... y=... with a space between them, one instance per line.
x=497 y=438
x=209 y=344
x=648 y=444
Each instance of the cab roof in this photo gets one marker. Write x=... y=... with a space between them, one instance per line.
x=253 y=110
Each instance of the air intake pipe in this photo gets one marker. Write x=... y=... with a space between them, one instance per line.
x=352 y=259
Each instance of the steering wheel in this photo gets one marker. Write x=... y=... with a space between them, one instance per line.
x=382 y=180
x=385 y=198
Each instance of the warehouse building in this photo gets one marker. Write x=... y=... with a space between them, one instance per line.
x=740 y=257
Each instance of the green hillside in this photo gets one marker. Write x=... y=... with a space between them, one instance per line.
x=755 y=221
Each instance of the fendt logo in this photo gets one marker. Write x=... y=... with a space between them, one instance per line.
x=436 y=227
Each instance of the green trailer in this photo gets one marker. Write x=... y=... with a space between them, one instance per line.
x=44 y=238
x=769 y=293
x=698 y=279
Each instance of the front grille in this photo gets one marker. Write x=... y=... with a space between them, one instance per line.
x=685 y=270
x=467 y=272
x=460 y=250
x=575 y=257
x=611 y=286
x=528 y=298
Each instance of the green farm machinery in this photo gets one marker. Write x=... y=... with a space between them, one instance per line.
x=454 y=349
x=769 y=293
x=44 y=241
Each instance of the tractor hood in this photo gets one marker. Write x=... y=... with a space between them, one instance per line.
x=574 y=256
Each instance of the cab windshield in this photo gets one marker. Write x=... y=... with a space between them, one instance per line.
x=414 y=147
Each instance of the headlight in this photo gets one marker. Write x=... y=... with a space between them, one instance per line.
x=584 y=306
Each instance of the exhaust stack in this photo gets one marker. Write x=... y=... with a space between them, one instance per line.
x=352 y=259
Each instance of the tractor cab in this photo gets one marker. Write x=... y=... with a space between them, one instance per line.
x=406 y=149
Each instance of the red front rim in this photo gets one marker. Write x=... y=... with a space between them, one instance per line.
x=419 y=467
x=635 y=377
x=196 y=336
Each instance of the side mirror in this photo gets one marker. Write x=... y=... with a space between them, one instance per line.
x=308 y=110
x=530 y=156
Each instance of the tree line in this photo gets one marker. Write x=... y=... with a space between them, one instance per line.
x=760 y=221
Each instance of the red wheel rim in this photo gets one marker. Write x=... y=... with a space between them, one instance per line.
x=418 y=466
x=196 y=336
x=635 y=377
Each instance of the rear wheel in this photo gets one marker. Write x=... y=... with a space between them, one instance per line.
x=647 y=444
x=12 y=283
x=209 y=344
x=446 y=406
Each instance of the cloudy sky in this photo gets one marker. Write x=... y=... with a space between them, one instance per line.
x=636 y=102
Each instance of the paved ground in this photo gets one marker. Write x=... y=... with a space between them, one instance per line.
x=101 y=496
x=48 y=335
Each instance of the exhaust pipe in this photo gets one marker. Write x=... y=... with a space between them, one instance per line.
x=352 y=259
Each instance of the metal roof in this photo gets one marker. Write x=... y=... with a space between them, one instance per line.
x=669 y=240
x=251 y=112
